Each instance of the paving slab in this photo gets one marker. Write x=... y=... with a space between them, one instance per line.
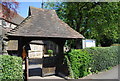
x=47 y=77
x=109 y=74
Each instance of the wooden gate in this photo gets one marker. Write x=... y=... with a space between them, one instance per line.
x=49 y=63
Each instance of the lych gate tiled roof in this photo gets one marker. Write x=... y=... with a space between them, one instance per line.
x=44 y=23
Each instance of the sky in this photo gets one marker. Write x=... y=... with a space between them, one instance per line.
x=24 y=7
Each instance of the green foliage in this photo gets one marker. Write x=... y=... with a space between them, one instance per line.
x=11 y=68
x=115 y=45
x=69 y=67
x=50 y=52
x=103 y=57
x=93 y=20
x=79 y=60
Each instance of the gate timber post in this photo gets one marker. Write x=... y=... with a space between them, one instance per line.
x=26 y=59
x=21 y=43
x=60 y=55
x=26 y=69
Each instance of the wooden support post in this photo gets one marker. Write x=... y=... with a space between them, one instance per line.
x=26 y=69
x=78 y=44
x=22 y=43
x=20 y=47
x=60 y=56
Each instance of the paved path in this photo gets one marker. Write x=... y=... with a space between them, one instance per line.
x=35 y=66
x=47 y=77
x=35 y=70
x=110 y=74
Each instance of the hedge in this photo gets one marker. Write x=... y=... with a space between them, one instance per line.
x=11 y=68
x=103 y=57
x=81 y=62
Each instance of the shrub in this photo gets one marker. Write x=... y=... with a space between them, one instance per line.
x=115 y=45
x=66 y=60
x=50 y=52
x=11 y=67
x=79 y=60
x=103 y=57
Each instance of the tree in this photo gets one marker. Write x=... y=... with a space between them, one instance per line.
x=94 y=20
x=8 y=9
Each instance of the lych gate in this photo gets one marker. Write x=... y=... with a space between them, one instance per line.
x=43 y=24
